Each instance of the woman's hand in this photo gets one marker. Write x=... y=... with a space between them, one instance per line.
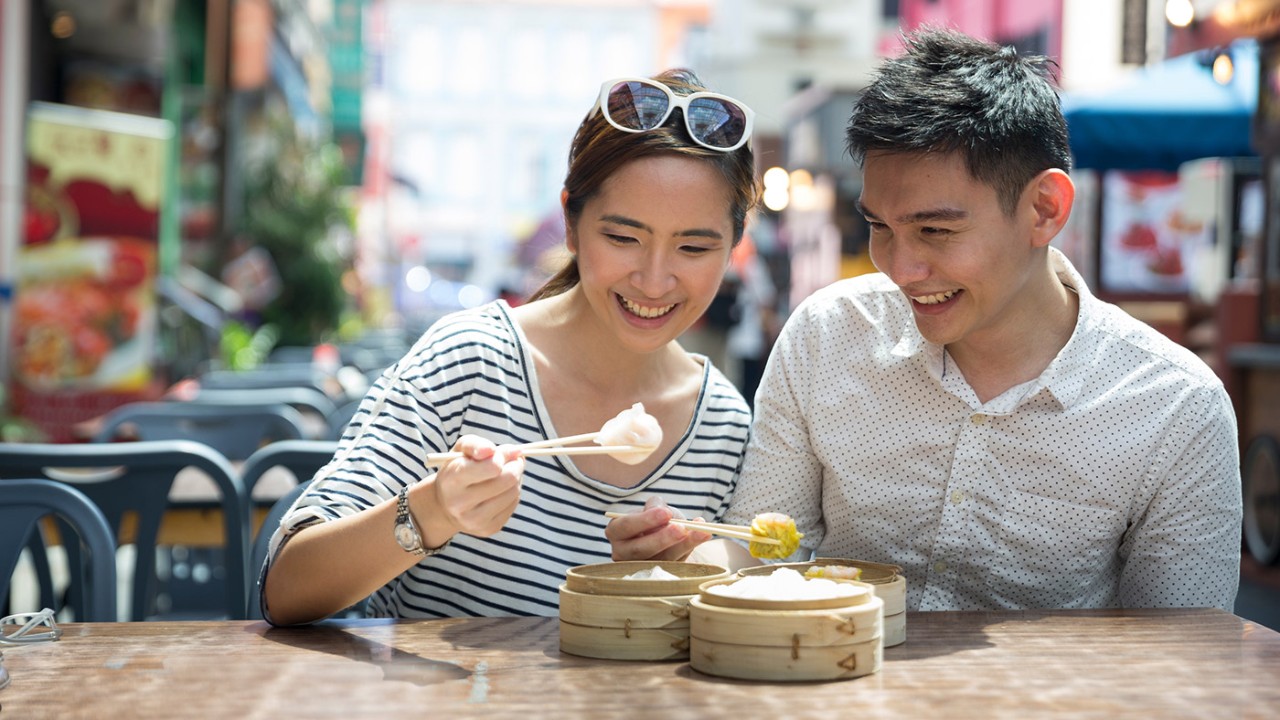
x=475 y=494
x=647 y=535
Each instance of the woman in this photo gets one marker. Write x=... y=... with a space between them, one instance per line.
x=660 y=182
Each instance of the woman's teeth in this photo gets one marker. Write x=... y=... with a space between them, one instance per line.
x=646 y=312
x=935 y=298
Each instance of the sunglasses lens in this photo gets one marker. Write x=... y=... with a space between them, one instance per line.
x=716 y=122
x=637 y=106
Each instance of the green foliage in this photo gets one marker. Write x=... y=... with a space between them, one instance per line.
x=242 y=348
x=293 y=202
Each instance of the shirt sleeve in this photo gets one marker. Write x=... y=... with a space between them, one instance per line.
x=780 y=471
x=1184 y=551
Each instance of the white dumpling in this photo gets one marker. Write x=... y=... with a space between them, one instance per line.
x=634 y=427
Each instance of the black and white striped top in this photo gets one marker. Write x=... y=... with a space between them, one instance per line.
x=471 y=372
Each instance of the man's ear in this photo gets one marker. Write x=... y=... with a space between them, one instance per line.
x=570 y=241
x=1052 y=195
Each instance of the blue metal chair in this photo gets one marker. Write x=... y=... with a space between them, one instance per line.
x=341 y=417
x=23 y=503
x=258 y=553
x=303 y=458
x=269 y=376
x=302 y=399
x=234 y=430
x=137 y=478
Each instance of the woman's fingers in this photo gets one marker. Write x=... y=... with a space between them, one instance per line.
x=478 y=493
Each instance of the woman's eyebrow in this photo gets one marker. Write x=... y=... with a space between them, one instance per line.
x=692 y=232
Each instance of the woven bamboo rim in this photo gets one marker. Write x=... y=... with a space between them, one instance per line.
x=607 y=578
x=710 y=598
x=622 y=611
x=895 y=629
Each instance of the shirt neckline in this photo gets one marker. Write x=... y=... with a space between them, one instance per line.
x=547 y=427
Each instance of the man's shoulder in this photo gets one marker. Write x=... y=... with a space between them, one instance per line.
x=1119 y=332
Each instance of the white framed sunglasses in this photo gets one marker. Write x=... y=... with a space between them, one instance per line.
x=714 y=121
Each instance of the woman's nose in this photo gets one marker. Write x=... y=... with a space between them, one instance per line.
x=654 y=277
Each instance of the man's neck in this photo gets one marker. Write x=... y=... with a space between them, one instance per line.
x=994 y=362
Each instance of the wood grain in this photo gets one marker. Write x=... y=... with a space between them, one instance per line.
x=1103 y=664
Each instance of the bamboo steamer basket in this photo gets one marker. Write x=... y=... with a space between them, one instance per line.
x=889 y=583
x=603 y=615
x=786 y=640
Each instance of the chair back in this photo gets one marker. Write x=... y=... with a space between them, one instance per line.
x=234 y=430
x=137 y=478
x=341 y=417
x=23 y=503
x=300 y=457
x=269 y=376
x=302 y=399
x=262 y=543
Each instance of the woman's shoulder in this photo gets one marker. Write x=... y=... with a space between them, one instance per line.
x=486 y=327
x=722 y=402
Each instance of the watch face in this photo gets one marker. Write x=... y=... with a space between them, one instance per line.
x=404 y=536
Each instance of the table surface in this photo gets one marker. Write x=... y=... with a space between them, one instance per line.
x=1089 y=663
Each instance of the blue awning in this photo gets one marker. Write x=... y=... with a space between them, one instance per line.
x=1167 y=114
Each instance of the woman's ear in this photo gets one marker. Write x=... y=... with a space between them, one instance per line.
x=1052 y=195
x=570 y=241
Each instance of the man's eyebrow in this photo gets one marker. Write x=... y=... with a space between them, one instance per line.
x=692 y=232
x=944 y=214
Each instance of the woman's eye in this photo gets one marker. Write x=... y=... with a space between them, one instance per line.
x=620 y=239
x=696 y=249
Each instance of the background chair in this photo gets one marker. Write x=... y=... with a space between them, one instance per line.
x=137 y=478
x=23 y=503
x=234 y=430
x=340 y=418
x=261 y=543
x=314 y=406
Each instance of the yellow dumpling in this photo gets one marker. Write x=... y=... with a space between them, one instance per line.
x=779 y=527
x=834 y=572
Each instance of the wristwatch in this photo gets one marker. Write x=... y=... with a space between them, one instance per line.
x=407 y=535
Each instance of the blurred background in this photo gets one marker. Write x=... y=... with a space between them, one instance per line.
x=188 y=186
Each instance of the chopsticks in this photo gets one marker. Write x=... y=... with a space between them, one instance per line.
x=742 y=532
x=544 y=447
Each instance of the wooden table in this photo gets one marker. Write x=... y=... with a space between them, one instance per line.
x=1092 y=663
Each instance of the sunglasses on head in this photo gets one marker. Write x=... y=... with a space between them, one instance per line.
x=714 y=121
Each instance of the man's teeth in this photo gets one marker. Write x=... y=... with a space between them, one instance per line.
x=935 y=298
x=646 y=312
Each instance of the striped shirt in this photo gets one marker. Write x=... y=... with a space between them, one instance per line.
x=471 y=373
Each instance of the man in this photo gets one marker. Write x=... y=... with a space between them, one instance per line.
x=972 y=412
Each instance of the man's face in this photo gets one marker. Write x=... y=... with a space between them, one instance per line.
x=943 y=238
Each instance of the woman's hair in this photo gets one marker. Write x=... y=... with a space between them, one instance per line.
x=599 y=150
x=953 y=93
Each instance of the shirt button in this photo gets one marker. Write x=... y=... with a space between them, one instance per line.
x=977 y=418
x=957 y=497
x=939 y=567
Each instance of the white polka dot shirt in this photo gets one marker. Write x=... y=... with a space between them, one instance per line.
x=1112 y=480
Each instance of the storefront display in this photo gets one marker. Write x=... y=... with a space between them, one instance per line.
x=84 y=307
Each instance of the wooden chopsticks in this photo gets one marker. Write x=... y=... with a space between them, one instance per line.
x=741 y=532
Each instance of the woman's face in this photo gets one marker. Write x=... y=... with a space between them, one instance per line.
x=652 y=247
